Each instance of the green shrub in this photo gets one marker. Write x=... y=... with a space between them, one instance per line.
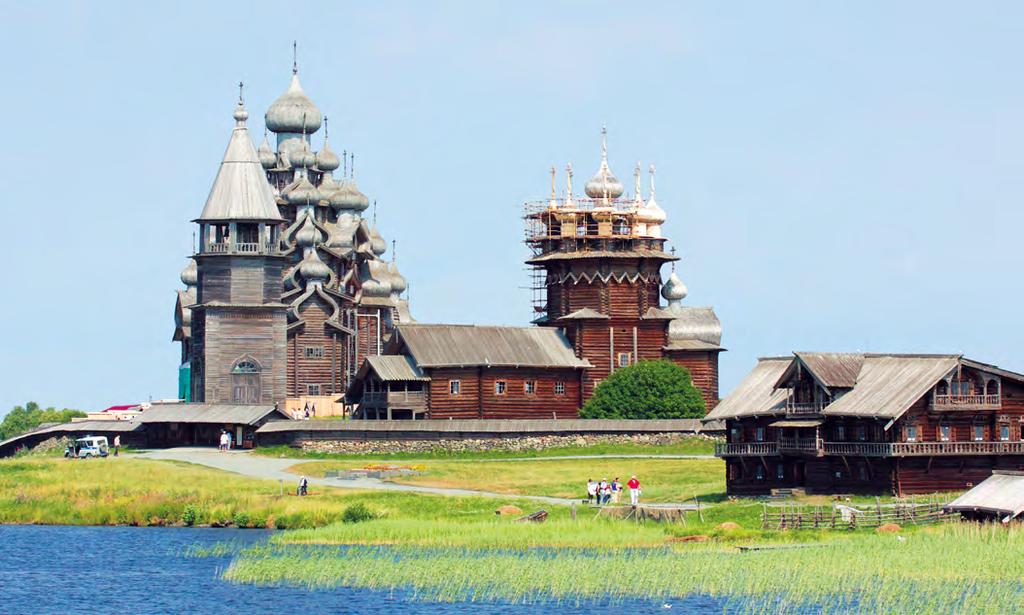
x=242 y=519
x=646 y=390
x=357 y=513
x=26 y=418
x=191 y=515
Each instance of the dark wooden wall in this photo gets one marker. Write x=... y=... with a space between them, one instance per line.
x=329 y=370
x=703 y=368
x=478 y=399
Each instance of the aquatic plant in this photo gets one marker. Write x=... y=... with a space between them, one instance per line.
x=948 y=569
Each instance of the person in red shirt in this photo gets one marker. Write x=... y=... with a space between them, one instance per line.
x=634 y=490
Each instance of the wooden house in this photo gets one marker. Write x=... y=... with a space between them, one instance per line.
x=871 y=423
x=464 y=372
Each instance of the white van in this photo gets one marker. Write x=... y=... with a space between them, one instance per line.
x=92 y=446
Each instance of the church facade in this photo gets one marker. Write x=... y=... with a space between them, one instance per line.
x=288 y=290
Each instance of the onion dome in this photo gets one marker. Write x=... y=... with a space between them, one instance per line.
x=674 y=290
x=651 y=212
x=190 y=274
x=240 y=113
x=343 y=233
x=604 y=182
x=266 y=155
x=308 y=234
x=293 y=112
x=326 y=159
x=301 y=155
x=314 y=269
x=377 y=243
x=360 y=201
x=398 y=283
x=377 y=282
x=303 y=192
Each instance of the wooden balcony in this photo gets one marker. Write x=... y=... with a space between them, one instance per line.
x=942 y=403
x=746 y=449
x=801 y=445
x=240 y=248
x=922 y=449
x=804 y=408
x=395 y=399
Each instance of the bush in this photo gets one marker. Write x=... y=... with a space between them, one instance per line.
x=191 y=515
x=357 y=513
x=646 y=390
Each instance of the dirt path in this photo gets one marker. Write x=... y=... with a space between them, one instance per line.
x=275 y=468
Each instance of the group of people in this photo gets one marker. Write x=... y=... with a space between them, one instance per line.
x=307 y=412
x=225 y=441
x=605 y=492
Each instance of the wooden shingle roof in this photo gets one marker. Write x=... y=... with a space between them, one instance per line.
x=471 y=345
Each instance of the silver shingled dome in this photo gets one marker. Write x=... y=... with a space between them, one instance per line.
x=293 y=112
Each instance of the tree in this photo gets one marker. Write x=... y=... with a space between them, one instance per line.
x=646 y=390
x=26 y=418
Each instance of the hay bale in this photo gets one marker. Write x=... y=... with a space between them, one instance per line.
x=889 y=528
x=505 y=511
x=728 y=525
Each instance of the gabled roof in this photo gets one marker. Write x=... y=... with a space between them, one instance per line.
x=756 y=394
x=584 y=314
x=889 y=384
x=465 y=345
x=241 y=190
x=833 y=370
x=1002 y=494
x=392 y=368
x=209 y=413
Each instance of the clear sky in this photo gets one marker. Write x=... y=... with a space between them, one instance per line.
x=838 y=176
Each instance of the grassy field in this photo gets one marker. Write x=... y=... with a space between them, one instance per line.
x=126 y=491
x=962 y=569
x=686 y=446
x=663 y=480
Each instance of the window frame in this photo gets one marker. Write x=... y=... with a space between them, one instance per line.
x=313 y=352
x=560 y=387
x=313 y=390
x=628 y=356
x=979 y=433
x=760 y=434
x=945 y=433
x=912 y=435
x=1004 y=432
x=454 y=386
x=500 y=387
x=529 y=387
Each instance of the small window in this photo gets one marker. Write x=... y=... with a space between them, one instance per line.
x=780 y=471
x=759 y=473
x=759 y=434
x=312 y=389
x=560 y=387
x=862 y=433
x=500 y=386
x=454 y=387
x=625 y=358
x=314 y=352
x=1004 y=432
x=530 y=387
x=945 y=433
x=979 y=433
x=911 y=433
x=840 y=432
x=735 y=435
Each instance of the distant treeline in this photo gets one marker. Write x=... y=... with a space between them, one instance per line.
x=31 y=415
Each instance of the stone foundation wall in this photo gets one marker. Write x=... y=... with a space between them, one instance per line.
x=523 y=444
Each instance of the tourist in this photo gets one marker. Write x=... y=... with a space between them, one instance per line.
x=634 y=490
x=607 y=492
x=303 y=485
x=227 y=446
x=312 y=410
x=616 y=490
x=223 y=441
x=602 y=492
x=591 y=490
x=117 y=444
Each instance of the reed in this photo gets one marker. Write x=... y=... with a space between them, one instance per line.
x=948 y=569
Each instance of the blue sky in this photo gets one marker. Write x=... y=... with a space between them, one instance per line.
x=838 y=176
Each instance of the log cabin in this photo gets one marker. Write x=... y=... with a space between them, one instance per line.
x=871 y=423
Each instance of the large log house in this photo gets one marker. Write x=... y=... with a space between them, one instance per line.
x=871 y=423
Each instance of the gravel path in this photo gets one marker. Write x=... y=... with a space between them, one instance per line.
x=274 y=468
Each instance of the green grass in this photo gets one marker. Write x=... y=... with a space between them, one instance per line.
x=131 y=491
x=956 y=568
x=695 y=445
x=663 y=480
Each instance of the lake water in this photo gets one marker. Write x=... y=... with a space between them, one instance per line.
x=54 y=569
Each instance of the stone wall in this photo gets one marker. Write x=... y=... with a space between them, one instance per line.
x=524 y=444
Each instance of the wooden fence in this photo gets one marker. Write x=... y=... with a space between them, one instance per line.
x=840 y=516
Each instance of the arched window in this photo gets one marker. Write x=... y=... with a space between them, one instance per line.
x=245 y=382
